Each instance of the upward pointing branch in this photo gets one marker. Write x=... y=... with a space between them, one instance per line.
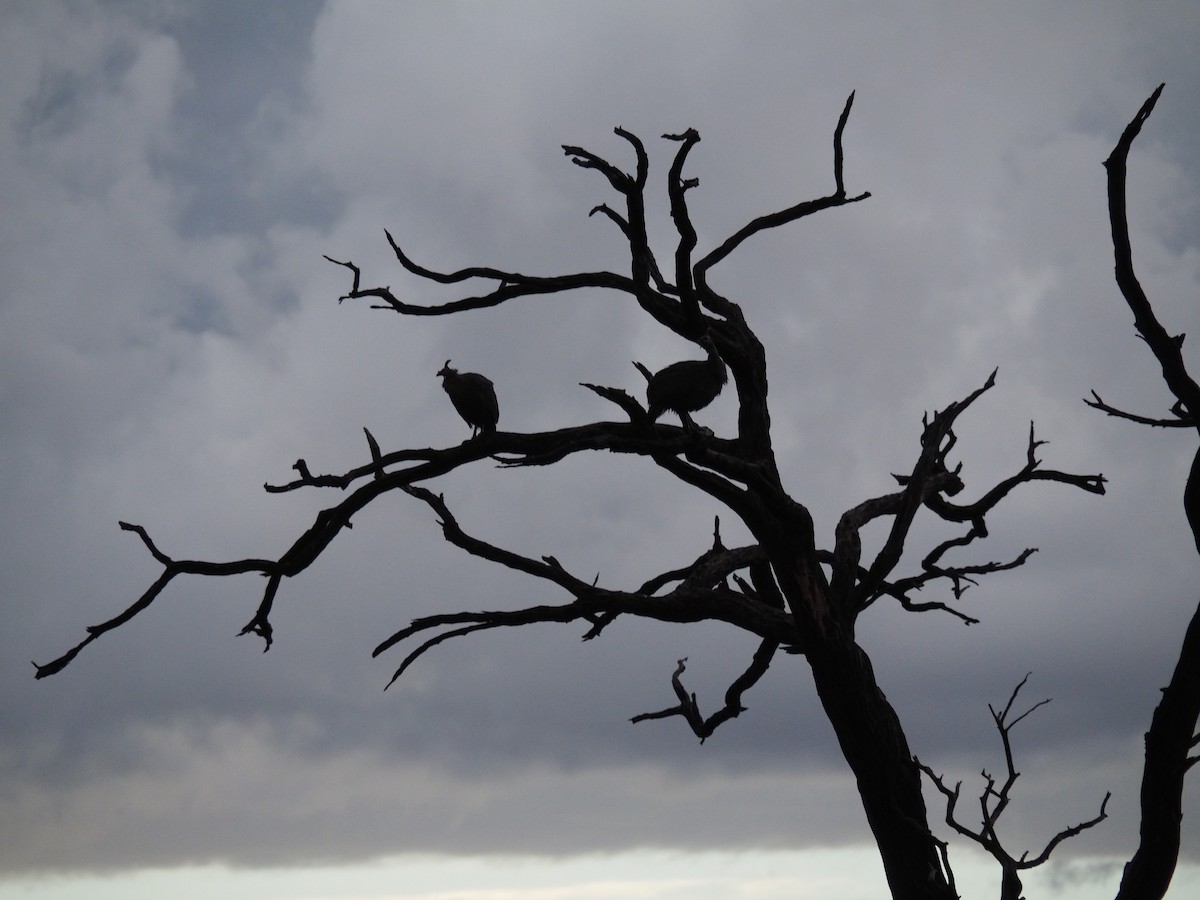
x=840 y=186
x=677 y=188
x=792 y=213
x=1166 y=349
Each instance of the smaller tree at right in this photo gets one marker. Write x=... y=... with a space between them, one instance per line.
x=1171 y=741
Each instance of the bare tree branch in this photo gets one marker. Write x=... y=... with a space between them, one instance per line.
x=792 y=213
x=1166 y=348
x=510 y=285
x=993 y=801
x=677 y=187
x=929 y=476
x=172 y=568
x=929 y=484
x=1181 y=420
x=1093 y=484
x=701 y=594
x=690 y=710
x=1169 y=738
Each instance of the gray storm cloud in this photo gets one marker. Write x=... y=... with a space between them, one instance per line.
x=170 y=341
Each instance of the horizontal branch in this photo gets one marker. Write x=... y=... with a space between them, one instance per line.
x=1181 y=420
x=700 y=595
x=471 y=622
x=171 y=568
x=510 y=449
x=662 y=443
x=596 y=606
x=510 y=285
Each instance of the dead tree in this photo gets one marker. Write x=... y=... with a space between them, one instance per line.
x=993 y=801
x=1171 y=740
x=783 y=587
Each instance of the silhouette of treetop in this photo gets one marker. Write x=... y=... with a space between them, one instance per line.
x=782 y=586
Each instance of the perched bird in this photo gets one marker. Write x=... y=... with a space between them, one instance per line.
x=687 y=386
x=473 y=396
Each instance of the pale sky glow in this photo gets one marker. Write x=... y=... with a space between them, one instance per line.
x=171 y=174
x=640 y=876
x=646 y=875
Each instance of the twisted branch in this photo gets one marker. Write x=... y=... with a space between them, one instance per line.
x=994 y=801
x=690 y=710
x=929 y=484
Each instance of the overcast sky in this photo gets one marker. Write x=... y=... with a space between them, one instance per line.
x=170 y=339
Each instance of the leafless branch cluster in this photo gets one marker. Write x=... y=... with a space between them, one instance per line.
x=929 y=485
x=782 y=587
x=739 y=586
x=994 y=800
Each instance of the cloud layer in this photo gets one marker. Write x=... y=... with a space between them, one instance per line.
x=170 y=340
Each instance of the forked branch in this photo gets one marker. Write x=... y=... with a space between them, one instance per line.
x=689 y=709
x=792 y=213
x=929 y=485
x=994 y=800
x=171 y=568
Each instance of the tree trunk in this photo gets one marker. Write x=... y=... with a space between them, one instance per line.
x=889 y=784
x=1168 y=742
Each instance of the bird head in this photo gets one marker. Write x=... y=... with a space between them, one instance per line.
x=446 y=371
x=710 y=346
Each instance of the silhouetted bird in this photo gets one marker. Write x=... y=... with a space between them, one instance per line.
x=687 y=386
x=473 y=396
